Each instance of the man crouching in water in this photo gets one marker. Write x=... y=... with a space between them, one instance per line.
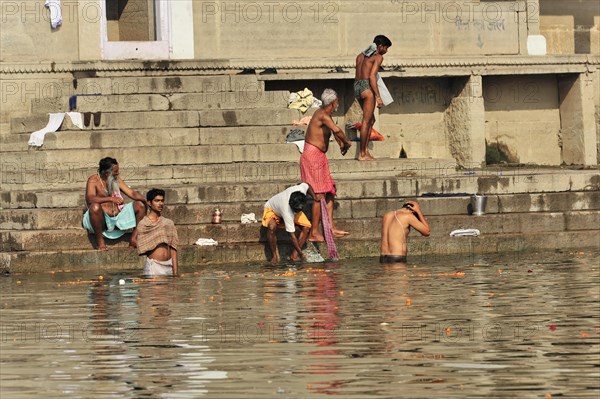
x=395 y=227
x=157 y=238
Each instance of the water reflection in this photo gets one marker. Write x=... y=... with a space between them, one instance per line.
x=496 y=326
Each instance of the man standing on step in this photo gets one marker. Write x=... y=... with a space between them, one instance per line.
x=314 y=166
x=107 y=214
x=395 y=227
x=366 y=90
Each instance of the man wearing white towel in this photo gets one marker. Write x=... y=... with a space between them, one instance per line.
x=395 y=227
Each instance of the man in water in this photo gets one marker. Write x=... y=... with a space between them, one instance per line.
x=395 y=227
x=314 y=166
x=107 y=214
x=287 y=206
x=366 y=90
x=157 y=238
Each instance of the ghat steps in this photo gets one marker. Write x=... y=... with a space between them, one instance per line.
x=219 y=141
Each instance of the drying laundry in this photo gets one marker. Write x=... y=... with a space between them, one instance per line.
x=54 y=122
x=55 y=13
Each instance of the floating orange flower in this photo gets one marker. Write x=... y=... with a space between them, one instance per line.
x=408 y=302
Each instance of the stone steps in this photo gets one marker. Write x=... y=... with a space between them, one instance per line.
x=135 y=102
x=168 y=84
x=169 y=119
x=190 y=214
x=355 y=185
x=361 y=229
x=21 y=176
x=195 y=258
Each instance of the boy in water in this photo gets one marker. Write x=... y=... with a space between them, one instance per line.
x=157 y=238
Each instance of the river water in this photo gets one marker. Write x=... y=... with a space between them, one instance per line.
x=500 y=326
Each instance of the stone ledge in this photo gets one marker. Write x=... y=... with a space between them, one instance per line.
x=194 y=258
x=231 y=65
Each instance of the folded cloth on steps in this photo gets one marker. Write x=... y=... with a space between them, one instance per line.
x=301 y=100
x=294 y=135
x=206 y=242
x=465 y=233
x=248 y=218
x=55 y=120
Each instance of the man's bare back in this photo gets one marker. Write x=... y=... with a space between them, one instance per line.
x=396 y=225
x=319 y=130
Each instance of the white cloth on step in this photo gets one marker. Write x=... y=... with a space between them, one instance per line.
x=76 y=119
x=248 y=218
x=54 y=122
x=37 y=138
x=206 y=242
x=55 y=13
x=465 y=233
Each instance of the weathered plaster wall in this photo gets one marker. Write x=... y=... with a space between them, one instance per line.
x=415 y=120
x=522 y=116
x=570 y=27
x=26 y=34
x=238 y=29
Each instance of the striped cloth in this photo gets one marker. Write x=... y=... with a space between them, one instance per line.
x=328 y=232
x=314 y=169
x=151 y=235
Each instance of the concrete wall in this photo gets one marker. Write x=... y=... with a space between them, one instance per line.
x=26 y=34
x=522 y=117
x=238 y=29
x=570 y=27
x=415 y=120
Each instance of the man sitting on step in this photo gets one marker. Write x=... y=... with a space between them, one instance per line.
x=287 y=205
x=107 y=214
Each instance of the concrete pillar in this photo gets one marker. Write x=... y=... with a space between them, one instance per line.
x=90 y=21
x=578 y=124
x=536 y=43
x=465 y=122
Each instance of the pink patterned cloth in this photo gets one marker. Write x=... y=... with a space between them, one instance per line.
x=328 y=232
